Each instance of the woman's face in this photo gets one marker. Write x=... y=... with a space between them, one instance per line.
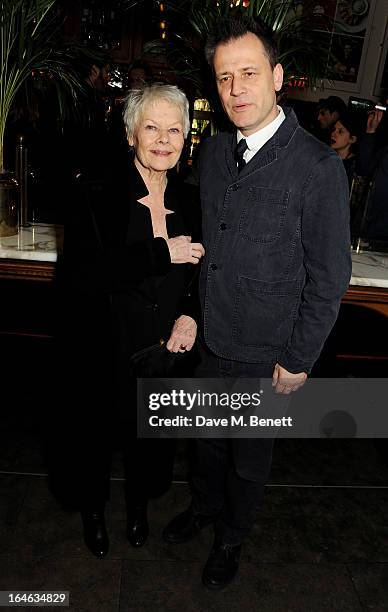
x=341 y=139
x=158 y=140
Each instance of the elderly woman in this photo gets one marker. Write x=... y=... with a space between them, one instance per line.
x=129 y=256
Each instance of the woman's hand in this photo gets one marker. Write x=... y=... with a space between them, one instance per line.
x=182 y=250
x=183 y=335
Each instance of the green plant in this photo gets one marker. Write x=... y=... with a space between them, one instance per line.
x=302 y=50
x=29 y=42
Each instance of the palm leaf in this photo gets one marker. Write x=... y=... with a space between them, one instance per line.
x=300 y=51
x=30 y=41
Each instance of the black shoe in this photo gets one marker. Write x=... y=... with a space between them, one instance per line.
x=137 y=524
x=221 y=566
x=95 y=534
x=185 y=526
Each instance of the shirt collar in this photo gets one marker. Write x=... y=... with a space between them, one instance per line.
x=258 y=139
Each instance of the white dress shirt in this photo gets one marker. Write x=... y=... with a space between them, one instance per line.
x=258 y=139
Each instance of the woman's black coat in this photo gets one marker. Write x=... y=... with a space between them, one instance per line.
x=121 y=292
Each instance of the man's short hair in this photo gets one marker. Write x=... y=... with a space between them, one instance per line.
x=333 y=104
x=141 y=65
x=230 y=28
x=85 y=62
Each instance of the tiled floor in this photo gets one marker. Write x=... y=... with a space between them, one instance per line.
x=320 y=542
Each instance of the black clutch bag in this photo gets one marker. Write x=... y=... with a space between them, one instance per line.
x=155 y=361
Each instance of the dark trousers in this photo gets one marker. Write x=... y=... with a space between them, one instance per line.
x=229 y=475
x=148 y=470
x=92 y=429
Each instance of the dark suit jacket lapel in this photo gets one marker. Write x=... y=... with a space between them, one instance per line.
x=229 y=155
x=264 y=156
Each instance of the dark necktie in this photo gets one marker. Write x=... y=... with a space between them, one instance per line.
x=239 y=154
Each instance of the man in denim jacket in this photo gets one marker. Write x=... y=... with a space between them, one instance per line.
x=276 y=234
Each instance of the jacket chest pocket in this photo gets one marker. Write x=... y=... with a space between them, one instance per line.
x=263 y=216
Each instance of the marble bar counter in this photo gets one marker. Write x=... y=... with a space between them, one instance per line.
x=28 y=268
x=369 y=282
x=370 y=269
x=32 y=253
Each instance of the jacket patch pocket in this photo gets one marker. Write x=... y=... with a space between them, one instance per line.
x=263 y=216
x=265 y=312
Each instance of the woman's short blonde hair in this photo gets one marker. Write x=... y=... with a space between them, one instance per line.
x=138 y=99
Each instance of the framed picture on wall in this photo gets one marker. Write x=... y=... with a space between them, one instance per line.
x=345 y=60
x=344 y=28
x=348 y=39
x=381 y=87
x=384 y=76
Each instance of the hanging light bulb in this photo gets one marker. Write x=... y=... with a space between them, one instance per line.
x=163 y=26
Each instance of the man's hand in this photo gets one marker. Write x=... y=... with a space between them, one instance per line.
x=183 y=335
x=374 y=119
x=285 y=382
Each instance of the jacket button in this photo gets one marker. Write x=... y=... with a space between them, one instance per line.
x=155 y=306
x=223 y=226
x=235 y=187
x=213 y=266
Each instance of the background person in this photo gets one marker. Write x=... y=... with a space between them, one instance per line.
x=328 y=112
x=373 y=162
x=87 y=145
x=139 y=75
x=344 y=141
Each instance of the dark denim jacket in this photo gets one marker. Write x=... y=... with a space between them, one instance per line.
x=277 y=247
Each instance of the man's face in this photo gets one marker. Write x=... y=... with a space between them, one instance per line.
x=101 y=77
x=105 y=74
x=246 y=83
x=326 y=119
